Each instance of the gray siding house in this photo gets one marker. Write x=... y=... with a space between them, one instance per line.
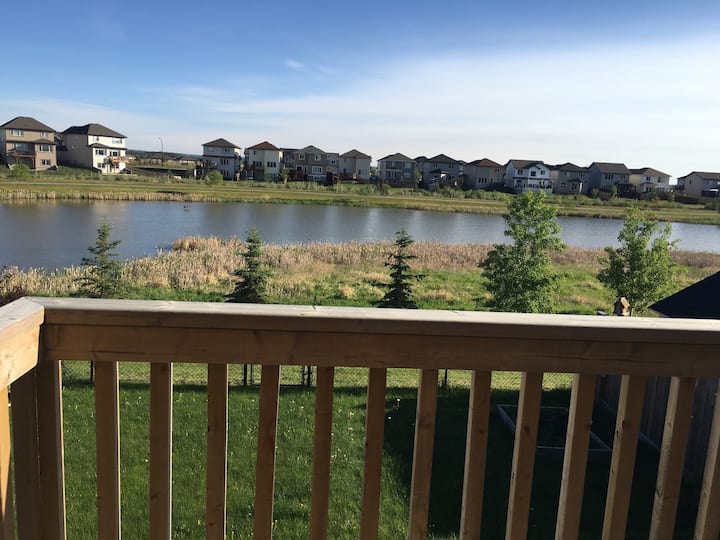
x=482 y=174
x=605 y=175
x=700 y=185
x=569 y=179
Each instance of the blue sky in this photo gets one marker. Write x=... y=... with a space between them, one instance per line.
x=630 y=81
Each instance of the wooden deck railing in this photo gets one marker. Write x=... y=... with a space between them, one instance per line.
x=36 y=334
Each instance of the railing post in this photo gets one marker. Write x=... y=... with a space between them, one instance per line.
x=7 y=527
x=708 y=518
x=322 y=444
x=217 y=416
x=107 y=436
x=374 y=433
x=161 y=451
x=265 y=461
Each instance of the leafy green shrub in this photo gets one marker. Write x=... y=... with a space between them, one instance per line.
x=20 y=171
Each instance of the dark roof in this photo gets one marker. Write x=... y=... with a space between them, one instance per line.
x=396 y=157
x=648 y=171
x=26 y=122
x=94 y=129
x=700 y=300
x=100 y=145
x=263 y=146
x=611 y=168
x=310 y=150
x=442 y=158
x=569 y=167
x=703 y=175
x=420 y=159
x=222 y=143
x=355 y=154
x=525 y=163
x=485 y=162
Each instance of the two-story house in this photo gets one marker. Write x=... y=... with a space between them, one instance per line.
x=93 y=146
x=354 y=165
x=569 y=179
x=223 y=156
x=482 y=174
x=440 y=170
x=311 y=163
x=647 y=179
x=605 y=175
x=25 y=140
x=263 y=161
x=523 y=175
x=700 y=185
x=396 y=169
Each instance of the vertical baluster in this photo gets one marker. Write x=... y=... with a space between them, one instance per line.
x=107 y=436
x=265 y=463
x=7 y=527
x=50 y=431
x=475 y=455
x=576 y=454
x=161 y=395
x=708 y=519
x=321 y=453
x=526 y=424
x=632 y=390
x=422 y=454
x=374 y=433
x=217 y=417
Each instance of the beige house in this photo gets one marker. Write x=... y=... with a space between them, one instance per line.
x=482 y=174
x=647 y=179
x=354 y=165
x=263 y=161
x=25 y=140
x=700 y=184
x=94 y=146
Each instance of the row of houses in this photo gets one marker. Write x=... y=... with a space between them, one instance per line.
x=93 y=146
x=26 y=140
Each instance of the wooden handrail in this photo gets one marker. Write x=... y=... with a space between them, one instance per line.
x=45 y=331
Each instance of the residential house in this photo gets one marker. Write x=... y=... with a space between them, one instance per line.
x=700 y=184
x=223 y=156
x=263 y=161
x=523 y=175
x=397 y=169
x=333 y=165
x=93 y=146
x=311 y=163
x=25 y=140
x=569 y=179
x=647 y=179
x=354 y=165
x=482 y=174
x=440 y=170
x=605 y=175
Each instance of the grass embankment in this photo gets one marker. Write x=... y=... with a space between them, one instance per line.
x=78 y=184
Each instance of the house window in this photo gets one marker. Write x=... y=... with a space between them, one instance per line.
x=114 y=153
x=271 y=164
x=117 y=140
x=451 y=165
x=257 y=164
x=44 y=134
x=224 y=162
x=99 y=151
x=301 y=157
x=361 y=172
x=45 y=162
x=533 y=173
x=317 y=157
x=609 y=176
x=96 y=138
x=316 y=169
x=44 y=147
x=99 y=165
x=407 y=165
x=210 y=149
x=332 y=161
x=542 y=173
x=16 y=132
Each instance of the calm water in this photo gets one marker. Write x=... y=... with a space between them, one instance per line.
x=57 y=234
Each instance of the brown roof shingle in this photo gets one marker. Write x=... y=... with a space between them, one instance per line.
x=26 y=122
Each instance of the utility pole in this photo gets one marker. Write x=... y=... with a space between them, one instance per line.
x=162 y=151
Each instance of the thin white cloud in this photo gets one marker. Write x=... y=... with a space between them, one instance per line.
x=294 y=65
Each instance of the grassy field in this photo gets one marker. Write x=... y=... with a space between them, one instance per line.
x=80 y=184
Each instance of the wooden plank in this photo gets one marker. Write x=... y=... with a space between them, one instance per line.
x=216 y=494
x=526 y=426
x=20 y=317
x=161 y=395
x=576 y=455
x=632 y=390
x=51 y=449
x=374 y=433
x=708 y=519
x=322 y=443
x=26 y=456
x=675 y=437
x=265 y=461
x=7 y=525
x=18 y=355
x=422 y=454
x=107 y=437
x=475 y=455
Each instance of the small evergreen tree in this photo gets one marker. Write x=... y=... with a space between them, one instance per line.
x=399 y=291
x=102 y=268
x=641 y=269
x=519 y=276
x=251 y=280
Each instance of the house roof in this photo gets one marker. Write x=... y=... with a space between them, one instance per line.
x=700 y=300
x=420 y=159
x=611 y=168
x=569 y=167
x=94 y=129
x=484 y=162
x=442 y=158
x=525 y=163
x=648 y=171
x=355 y=154
x=396 y=157
x=703 y=175
x=26 y=122
x=222 y=143
x=263 y=146
x=310 y=150
x=100 y=145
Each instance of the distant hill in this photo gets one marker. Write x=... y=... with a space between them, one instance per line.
x=172 y=156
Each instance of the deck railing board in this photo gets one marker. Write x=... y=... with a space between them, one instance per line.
x=265 y=461
x=161 y=420
x=7 y=522
x=372 y=472
x=675 y=437
x=322 y=443
x=107 y=434
x=216 y=487
x=526 y=427
x=577 y=443
x=475 y=455
x=622 y=464
x=708 y=519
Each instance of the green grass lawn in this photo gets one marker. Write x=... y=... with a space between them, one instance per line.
x=293 y=467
